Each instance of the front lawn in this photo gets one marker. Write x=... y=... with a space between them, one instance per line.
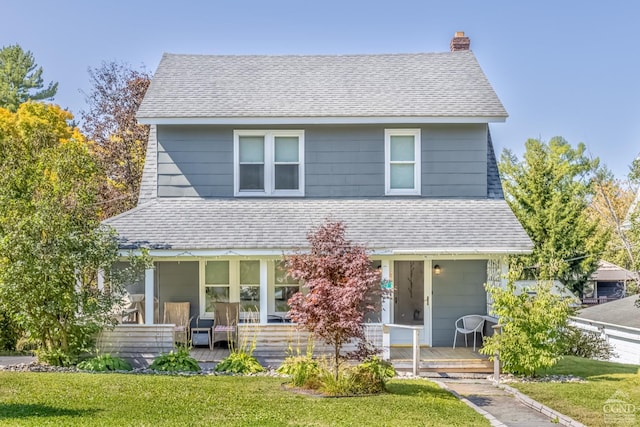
x=585 y=401
x=79 y=399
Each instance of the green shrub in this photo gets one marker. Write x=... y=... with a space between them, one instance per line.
x=531 y=328
x=239 y=362
x=369 y=377
x=303 y=370
x=382 y=369
x=332 y=385
x=103 y=363
x=9 y=333
x=587 y=344
x=56 y=357
x=175 y=361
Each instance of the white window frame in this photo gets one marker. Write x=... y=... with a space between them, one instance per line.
x=273 y=285
x=417 y=161
x=269 y=163
x=234 y=293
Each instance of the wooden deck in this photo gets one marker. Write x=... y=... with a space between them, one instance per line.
x=140 y=344
x=432 y=359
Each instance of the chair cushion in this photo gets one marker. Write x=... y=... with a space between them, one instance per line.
x=224 y=328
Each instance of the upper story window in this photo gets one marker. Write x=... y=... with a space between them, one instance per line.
x=268 y=163
x=402 y=161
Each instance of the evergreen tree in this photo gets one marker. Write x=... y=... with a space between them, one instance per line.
x=21 y=79
x=549 y=191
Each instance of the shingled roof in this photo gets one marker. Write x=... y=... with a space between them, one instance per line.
x=414 y=225
x=447 y=86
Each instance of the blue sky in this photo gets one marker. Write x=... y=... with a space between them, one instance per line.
x=567 y=68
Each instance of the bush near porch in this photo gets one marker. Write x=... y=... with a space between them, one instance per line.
x=35 y=399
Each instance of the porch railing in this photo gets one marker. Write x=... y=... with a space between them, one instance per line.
x=386 y=342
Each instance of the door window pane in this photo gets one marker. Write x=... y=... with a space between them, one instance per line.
x=402 y=148
x=402 y=176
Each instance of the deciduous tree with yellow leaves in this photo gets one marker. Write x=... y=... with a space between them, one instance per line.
x=51 y=241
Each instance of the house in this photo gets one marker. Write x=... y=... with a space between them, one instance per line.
x=617 y=322
x=608 y=282
x=247 y=153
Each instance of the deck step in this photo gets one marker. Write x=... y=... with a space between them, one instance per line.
x=448 y=366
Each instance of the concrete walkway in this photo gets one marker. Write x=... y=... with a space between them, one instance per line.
x=15 y=360
x=500 y=407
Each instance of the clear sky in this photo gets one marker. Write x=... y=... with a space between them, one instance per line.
x=561 y=67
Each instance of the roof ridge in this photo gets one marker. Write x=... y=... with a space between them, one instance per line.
x=314 y=55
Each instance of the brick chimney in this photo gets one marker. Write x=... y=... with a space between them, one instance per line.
x=459 y=42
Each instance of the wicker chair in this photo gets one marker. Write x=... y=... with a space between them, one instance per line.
x=177 y=313
x=225 y=323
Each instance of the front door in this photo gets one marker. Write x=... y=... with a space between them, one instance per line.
x=408 y=300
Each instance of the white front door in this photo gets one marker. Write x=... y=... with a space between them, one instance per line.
x=411 y=301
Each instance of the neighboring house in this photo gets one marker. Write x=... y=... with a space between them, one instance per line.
x=608 y=282
x=557 y=288
x=247 y=154
x=619 y=323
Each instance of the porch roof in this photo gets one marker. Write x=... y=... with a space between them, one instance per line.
x=392 y=225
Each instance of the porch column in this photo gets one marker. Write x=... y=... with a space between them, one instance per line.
x=149 y=296
x=264 y=288
x=101 y=280
x=504 y=264
x=385 y=316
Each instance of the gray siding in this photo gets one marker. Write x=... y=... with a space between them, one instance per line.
x=454 y=161
x=195 y=161
x=340 y=161
x=458 y=291
x=178 y=282
x=346 y=161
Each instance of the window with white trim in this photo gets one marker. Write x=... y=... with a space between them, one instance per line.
x=284 y=288
x=216 y=284
x=250 y=288
x=402 y=161
x=268 y=163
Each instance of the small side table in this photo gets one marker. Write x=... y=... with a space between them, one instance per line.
x=201 y=336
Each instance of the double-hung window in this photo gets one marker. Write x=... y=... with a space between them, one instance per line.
x=269 y=163
x=250 y=288
x=284 y=288
x=402 y=161
x=217 y=283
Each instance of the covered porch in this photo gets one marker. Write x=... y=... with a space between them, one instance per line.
x=429 y=292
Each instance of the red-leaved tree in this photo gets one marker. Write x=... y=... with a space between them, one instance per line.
x=341 y=287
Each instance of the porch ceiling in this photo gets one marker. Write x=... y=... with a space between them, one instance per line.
x=391 y=224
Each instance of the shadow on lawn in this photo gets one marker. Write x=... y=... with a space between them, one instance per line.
x=23 y=410
x=411 y=389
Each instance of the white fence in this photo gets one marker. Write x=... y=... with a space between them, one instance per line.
x=624 y=340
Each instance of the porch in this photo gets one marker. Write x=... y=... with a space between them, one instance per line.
x=141 y=343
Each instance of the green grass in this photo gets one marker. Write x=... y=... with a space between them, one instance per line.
x=584 y=401
x=79 y=399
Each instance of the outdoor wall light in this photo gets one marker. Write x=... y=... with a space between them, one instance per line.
x=437 y=270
